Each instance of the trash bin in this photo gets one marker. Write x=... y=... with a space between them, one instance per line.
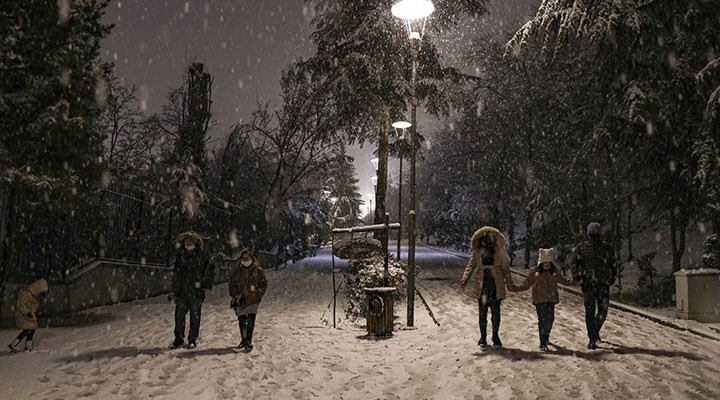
x=697 y=294
x=379 y=303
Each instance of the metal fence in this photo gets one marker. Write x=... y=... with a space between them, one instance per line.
x=117 y=223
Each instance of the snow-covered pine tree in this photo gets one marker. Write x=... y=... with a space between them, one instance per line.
x=345 y=198
x=190 y=153
x=364 y=55
x=52 y=90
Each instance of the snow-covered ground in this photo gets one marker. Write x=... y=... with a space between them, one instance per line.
x=298 y=355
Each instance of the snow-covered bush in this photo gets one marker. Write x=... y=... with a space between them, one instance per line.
x=711 y=255
x=369 y=272
x=654 y=289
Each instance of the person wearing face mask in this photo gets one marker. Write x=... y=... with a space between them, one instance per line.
x=247 y=287
x=544 y=279
x=489 y=268
x=193 y=274
x=593 y=262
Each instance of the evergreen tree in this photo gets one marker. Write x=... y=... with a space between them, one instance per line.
x=190 y=154
x=345 y=198
x=52 y=90
x=364 y=54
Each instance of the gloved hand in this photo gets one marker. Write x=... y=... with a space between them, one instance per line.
x=171 y=297
x=234 y=302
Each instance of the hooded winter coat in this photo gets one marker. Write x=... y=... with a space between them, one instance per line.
x=28 y=303
x=499 y=268
x=193 y=271
x=248 y=284
x=544 y=284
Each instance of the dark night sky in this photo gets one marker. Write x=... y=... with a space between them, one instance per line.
x=246 y=44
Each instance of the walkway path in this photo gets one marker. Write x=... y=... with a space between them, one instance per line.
x=299 y=355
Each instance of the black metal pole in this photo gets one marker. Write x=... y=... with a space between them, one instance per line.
x=411 y=215
x=399 y=209
x=385 y=249
x=332 y=246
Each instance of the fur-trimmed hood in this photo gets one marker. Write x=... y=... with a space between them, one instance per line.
x=38 y=287
x=493 y=233
x=192 y=235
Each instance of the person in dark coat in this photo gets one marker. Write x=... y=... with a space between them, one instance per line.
x=489 y=266
x=28 y=303
x=247 y=287
x=193 y=274
x=544 y=279
x=593 y=262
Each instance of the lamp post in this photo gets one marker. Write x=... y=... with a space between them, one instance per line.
x=370 y=196
x=402 y=126
x=414 y=13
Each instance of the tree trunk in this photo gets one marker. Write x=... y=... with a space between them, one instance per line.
x=528 y=235
x=677 y=239
x=381 y=188
x=5 y=204
x=511 y=237
x=630 y=230
x=382 y=173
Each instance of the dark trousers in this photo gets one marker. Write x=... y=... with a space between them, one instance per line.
x=247 y=326
x=28 y=334
x=597 y=300
x=182 y=306
x=494 y=306
x=546 y=317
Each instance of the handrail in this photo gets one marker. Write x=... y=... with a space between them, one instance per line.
x=90 y=265
x=367 y=228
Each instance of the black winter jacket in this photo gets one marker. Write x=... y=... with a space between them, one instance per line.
x=593 y=261
x=193 y=274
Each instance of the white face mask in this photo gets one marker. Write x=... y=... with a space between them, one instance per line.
x=246 y=263
x=190 y=248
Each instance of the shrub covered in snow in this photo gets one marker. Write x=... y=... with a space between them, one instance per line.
x=369 y=272
x=711 y=255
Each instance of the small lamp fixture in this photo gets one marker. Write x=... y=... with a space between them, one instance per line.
x=402 y=126
x=375 y=161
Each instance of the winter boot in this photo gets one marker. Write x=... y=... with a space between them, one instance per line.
x=592 y=345
x=13 y=346
x=496 y=330
x=483 y=337
x=177 y=343
x=496 y=336
x=250 y=329
x=496 y=341
x=28 y=345
x=242 y=322
x=192 y=345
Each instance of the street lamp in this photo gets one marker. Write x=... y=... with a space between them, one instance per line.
x=414 y=13
x=400 y=127
x=370 y=196
x=375 y=162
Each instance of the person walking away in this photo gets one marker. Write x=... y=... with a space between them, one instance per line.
x=247 y=287
x=593 y=262
x=28 y=303
x=544 y=279
x=193 y=275
x=490 y=266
